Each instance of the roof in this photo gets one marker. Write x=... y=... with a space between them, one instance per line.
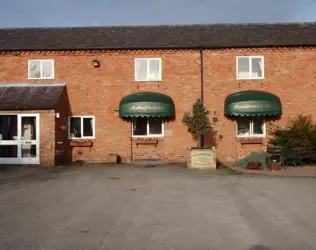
x=158 y=37
x=29 y=96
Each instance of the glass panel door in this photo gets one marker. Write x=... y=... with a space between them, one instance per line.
x=19 y=139
x=29 y=140
x=9 y=139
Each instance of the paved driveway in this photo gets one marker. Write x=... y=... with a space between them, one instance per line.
x=128 y=207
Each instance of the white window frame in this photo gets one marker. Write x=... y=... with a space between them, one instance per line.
x=148 y=135
x=251 y=130
x=250 y=67
x=41 y=68
x=148 y=79
x=82 y=137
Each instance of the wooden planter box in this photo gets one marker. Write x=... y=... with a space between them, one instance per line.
x=81 y=143
x=254 y=165
x=251 y=140
x=274 y=166
x=113 y=158
x=202 y=159
x=147 y=142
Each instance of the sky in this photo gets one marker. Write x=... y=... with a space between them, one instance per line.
x=61 y=13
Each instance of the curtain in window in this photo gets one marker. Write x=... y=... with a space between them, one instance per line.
x=154 y=70
x=256 y=67
x=141 y=70
x=243 y=127
x=243 y=67
x=47 y=69
x=35 y=69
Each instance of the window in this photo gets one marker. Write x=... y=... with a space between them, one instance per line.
x=147 y=69
x=147 y=127
x=250 y=67
x=251 y=127
x=81 y=127
x=41 y=69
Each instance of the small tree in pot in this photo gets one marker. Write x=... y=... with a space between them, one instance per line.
x=197 y=121
x=198 y=124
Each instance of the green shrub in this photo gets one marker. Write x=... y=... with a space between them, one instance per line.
x=299 y=133
x=197 y=121
x=253 y=157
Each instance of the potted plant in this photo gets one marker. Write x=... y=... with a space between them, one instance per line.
x=113 y=158
x=197 y=122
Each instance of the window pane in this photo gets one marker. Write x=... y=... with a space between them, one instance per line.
x=140 y=126
x=8 y=127
x=155 y=126
x=75 y=127
x=8 y=151
x=256 y=67
x=243 y=127
x=258 y=126
x=47 y=69
x=87 y=127
x=141 y=70
x=154 y=69
x=35 y=69
x=243 y=67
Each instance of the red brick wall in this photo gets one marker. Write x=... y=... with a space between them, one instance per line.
x=289 y=73
x=98 y=91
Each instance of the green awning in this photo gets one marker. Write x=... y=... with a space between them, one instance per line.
x=146 y=104
x=253 y=103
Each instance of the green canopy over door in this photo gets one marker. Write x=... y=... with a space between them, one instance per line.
x=253 y=103
x=146 y=104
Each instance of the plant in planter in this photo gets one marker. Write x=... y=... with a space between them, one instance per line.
x=197 y=122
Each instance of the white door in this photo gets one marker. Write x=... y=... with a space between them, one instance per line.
x=19 y=139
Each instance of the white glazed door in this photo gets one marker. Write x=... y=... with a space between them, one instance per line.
x=28 y=145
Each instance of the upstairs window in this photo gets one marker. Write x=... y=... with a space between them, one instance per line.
x=251 y=127
x=41 y=69
x=250 y=67
x=148 y=69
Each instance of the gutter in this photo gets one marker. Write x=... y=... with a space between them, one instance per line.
x=160 y=47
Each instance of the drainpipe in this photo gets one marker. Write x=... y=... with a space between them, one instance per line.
x=202 y=75
x=202 y=87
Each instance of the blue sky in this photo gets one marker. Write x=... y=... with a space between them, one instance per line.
x=52 y=13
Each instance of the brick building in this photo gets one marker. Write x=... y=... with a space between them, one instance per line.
x=69 y=94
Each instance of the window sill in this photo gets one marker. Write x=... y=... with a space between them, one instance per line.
x=40 y=78
x=250 y=79
x=80 y=139
x=148 y=80
x=251 y=140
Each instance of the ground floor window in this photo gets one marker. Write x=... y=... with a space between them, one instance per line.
x=147 y=127
x=81 y=127
x=251 y=127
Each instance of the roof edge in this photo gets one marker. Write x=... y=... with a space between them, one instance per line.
x=32 y=84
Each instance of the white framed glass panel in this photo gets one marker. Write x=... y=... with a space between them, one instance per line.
x=154 y=69
x=34 y=69
x=243 y=127
x=81 y=127
x=243 y=67
x=256 y=67
x=141 y=70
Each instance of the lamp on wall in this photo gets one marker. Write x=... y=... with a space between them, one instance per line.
x=96 y=64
